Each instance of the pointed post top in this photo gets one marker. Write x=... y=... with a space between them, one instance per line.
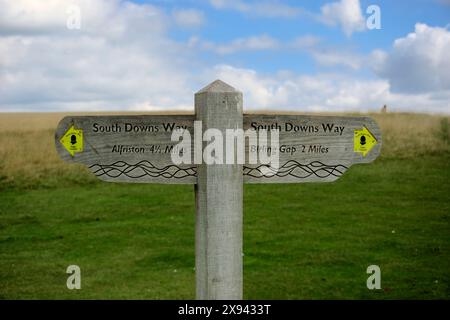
x=217 y=86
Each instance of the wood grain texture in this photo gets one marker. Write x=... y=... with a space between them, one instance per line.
x=219 y=202
x=149 y=136
x=313 y=148
x=309 y=162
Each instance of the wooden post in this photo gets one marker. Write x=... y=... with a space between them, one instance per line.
x=219 y=199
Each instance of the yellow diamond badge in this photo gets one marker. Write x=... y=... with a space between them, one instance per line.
x=364 y=141
x=73 y=140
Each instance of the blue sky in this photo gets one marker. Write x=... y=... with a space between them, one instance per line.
x=222 y=26
x=286 y=55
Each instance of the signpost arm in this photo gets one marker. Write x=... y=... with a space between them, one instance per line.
x=219 y=199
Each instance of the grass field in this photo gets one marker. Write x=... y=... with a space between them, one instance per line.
x=301 y=241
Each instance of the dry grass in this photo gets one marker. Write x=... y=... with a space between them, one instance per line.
x=28 y=156
x=411 y=135
x=27 y=151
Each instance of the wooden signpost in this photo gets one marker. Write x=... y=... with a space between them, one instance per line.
x=139 y=149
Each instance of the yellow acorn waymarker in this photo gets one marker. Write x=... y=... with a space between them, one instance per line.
x=364 y=141
x=72 y=140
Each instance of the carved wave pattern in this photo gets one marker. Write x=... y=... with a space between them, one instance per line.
x=145 y=168
x=142 y=169
x=297 y=170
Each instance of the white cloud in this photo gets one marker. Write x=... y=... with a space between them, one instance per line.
x=331 y=57
x=107 y=18
x=326 y=55
x=108 y=63
x=321 y=92
x=122 y=58
x=346 y=14
x=417 y=63
x=271 y=9
x=189 y=18
x=253 y=43
x=32 y=16
x=305 y=42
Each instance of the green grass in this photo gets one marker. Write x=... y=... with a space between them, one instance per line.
x=301 y=241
